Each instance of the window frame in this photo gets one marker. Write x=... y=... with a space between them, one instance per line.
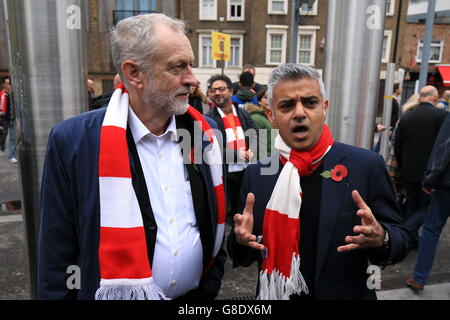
x=285 y=7
x=419 y=46
x=201 y=13
x=391 y=9
x=241 y=51
x=229 y=17
x=313 y=11
x=388 y=34
x=200 y=51
x=276 y=29
x=310 y=32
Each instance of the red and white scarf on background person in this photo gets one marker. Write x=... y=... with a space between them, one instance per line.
x=233 y=142
x=125 y=270
x=280 y=275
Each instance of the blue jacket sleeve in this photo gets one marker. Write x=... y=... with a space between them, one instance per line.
x=58 y=247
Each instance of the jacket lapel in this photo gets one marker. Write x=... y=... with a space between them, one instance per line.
x=330 y=203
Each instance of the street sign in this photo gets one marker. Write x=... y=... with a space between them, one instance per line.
x=220 y=46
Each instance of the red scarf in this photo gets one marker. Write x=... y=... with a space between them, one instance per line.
x=280 y=275
x=125 y=270
x=233 y=142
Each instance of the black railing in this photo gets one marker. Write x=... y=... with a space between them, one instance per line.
x=123 y=14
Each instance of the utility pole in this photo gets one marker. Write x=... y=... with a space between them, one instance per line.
x=426 y=44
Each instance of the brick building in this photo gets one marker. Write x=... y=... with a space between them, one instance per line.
x=260 y=35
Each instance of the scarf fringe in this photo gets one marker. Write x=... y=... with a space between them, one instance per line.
x=275 y=286
x=149 y=291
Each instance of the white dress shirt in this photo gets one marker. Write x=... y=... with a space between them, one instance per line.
x=177 y=262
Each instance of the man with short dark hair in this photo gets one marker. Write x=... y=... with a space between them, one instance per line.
x=245 y=94
x=233 y=123
x=248 y=68
x=317 y=211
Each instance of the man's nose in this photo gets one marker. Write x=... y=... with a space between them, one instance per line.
x=299 y=110
x=189 y=77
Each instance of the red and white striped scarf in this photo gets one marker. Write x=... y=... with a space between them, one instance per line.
x=233 y=142
x=125 y=270
x=280 y=275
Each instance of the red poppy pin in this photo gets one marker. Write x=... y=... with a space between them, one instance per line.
x=338 y=173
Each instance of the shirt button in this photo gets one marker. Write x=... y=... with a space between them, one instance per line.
x=160 y=156
x=166 y=188
x=176 y=252
x=171 y=220
x=173 y=282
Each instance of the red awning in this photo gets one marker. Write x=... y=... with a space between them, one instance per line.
x=444 y=70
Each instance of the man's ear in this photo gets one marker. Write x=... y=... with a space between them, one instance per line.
x=270 y=117
x=132 y=73
x=325 y=108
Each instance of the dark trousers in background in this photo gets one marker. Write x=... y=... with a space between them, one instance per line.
x=234 y=182
x=416 y=208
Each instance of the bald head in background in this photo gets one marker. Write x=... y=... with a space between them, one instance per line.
x=429 y=94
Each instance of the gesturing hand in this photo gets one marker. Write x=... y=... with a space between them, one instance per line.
x=244 y=225
x=371 y=233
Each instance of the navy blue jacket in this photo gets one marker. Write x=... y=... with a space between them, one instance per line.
x=337 y=275
x=438 y=170
x=70 y=209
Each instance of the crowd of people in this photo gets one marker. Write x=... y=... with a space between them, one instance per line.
x=417 y=170
x=139 y=201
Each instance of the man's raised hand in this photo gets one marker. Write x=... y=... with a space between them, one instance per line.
x=243 y=225
x=371 y=233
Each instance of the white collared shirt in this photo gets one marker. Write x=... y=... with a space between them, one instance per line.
x=177 y=262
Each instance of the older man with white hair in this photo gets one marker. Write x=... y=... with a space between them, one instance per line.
x=122 y=196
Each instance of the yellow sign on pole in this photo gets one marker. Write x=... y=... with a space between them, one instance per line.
x=220 y=46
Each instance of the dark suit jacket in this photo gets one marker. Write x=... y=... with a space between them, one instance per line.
x=416 y=133
x=246 y=123
x=337 y=275
x=70 y=209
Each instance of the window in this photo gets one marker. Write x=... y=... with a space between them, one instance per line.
x=306 y=47
x=236 y=10
x=208 y=9
x=205 y=52
x=277 y=7
x=305 y=10
x=390 y=7
x=235 y=52
x=386 y=51
x=435 y=51
x=129 y=8
x=276 y=44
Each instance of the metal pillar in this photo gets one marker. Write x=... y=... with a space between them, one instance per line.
x=48 y=77
x=295 y=19
x=423 y=75
x=352 y=68
x=387 y=108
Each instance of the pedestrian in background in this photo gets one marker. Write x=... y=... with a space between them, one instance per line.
x=7 y=122
x=259 y=116
x=245 y=93
x=247 y=68
x=437 y=184
x=233 y=123
x=198 y=100
x=415 y=136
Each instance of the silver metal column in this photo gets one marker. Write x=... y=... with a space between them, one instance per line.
x=387 y=108
x=423 y=75
x=352 y=68
x=48 y=77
